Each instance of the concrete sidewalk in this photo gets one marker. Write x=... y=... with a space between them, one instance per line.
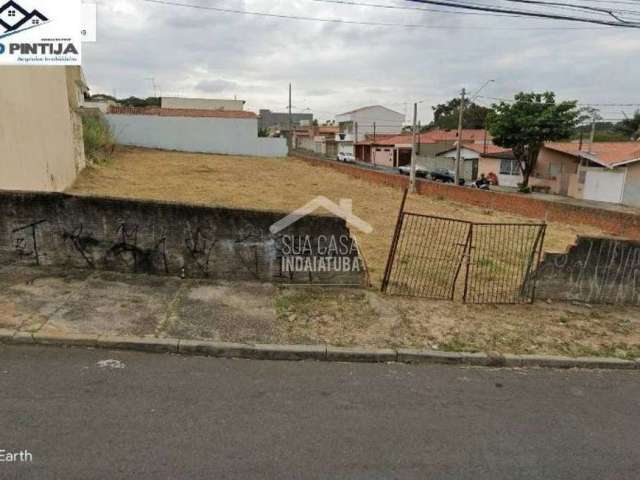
x=56 y=301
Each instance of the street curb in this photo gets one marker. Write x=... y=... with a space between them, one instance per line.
x=144 y=344
x=355 y=354
x=313 y=352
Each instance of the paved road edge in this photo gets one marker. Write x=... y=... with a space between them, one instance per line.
x=311 y=352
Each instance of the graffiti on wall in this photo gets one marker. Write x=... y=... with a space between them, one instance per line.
x=595 y=270
x=25 y=241
x=51 y=229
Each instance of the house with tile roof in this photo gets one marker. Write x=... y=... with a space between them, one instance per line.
x=395 y=150
x=603 y=171
x=488 y=159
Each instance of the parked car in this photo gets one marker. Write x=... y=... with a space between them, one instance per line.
x=421 y=172
x=346 y=157
x=443 y=175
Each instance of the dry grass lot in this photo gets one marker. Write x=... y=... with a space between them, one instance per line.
x=281 y=184
x=367 y=318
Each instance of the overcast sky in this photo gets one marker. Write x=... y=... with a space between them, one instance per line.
x=337 y=67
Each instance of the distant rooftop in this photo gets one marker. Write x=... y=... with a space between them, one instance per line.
x=181 y=112
x=607 y=154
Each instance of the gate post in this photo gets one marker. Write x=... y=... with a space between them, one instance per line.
x=394 y=244
x=467 y=263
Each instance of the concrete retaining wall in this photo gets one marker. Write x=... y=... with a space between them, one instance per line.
x=158 y=238
x=228 y=136
x=595 y=270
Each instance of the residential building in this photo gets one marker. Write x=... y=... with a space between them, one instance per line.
x=478 y=159
x=279 y=122
x=385 y=150
x=356 y=125
x=229 y=132
x=202 y=103
x=317 y=139
x=41 y=145
x=395 y=150
x=604 y=171
x=437 y=140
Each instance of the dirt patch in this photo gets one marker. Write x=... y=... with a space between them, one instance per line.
x=223 y=312
x=282 y=184
x=347 y=317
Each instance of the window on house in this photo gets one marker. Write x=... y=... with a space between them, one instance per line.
x=509 y=167
x=12 y=13
x=35 y=21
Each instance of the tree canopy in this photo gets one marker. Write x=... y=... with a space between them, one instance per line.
x=445 y=115
x=525 y=124
x=629 y=127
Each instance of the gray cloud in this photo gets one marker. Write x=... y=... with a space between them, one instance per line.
x=337 y=67
x=215 y=86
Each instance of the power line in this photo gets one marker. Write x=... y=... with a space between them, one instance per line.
x=453 y=12
x=571 y=6
x=527 y=13
x=348 y=22
x=399 y=7
x=511 y=100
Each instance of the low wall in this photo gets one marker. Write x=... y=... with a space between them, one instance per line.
x=612 y=222
x=228 y=136
x=595 y=270
x=162 y=238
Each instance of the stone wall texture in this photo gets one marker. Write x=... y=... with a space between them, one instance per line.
x=156 y=237
x=595 y=270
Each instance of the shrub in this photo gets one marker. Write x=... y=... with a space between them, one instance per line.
x=99 y=142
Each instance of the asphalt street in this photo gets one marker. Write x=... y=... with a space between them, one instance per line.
x=94 y=414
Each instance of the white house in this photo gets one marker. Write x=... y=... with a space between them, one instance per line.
x=478 y=159
x=373 y=120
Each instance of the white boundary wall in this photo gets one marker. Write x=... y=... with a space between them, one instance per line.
x=230 y=136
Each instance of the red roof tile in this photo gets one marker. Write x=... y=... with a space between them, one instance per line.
x=609 y=154
x=439 y=135
x=489 y=148
x=181 y=112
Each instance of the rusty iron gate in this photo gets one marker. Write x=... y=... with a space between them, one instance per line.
x=444 y=258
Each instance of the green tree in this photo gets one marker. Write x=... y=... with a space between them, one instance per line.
x=445 y=115
x=629 y=127
x=140 y=102
x=530 y=121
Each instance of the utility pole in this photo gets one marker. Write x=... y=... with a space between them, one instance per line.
x=593 y=131
x=412 y=176
x=355 y=141
x=459 y=148
x=290 y=135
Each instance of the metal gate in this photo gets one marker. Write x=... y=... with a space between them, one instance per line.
x=444 y=258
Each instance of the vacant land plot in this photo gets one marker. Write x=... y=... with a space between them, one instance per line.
x=283 y=185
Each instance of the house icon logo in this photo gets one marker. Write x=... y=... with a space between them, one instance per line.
x=344 y=210
x=15 y=19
